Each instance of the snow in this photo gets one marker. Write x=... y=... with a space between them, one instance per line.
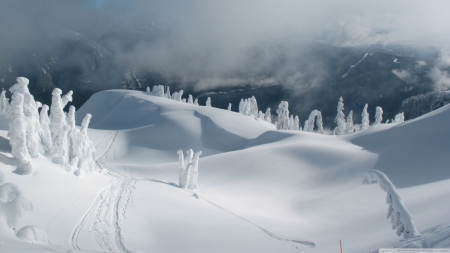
x=259 y=189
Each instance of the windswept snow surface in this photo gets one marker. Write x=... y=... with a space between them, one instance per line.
x=260 y=190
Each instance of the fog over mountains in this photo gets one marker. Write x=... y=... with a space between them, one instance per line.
x=309 y=54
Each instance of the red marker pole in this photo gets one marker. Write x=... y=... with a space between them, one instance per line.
x=340 y=244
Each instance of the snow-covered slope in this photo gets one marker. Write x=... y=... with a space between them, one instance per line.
x=260 y=190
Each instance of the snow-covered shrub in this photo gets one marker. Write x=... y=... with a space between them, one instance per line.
x=32 y=234
x=283 y=116
x=340 y=118
x=188 y=172
x=12 y=204
x=378 y=115
x=401 y=219
x=365 y=124
x=350 y=128
x=268 y=116
x=4 y=104
x=18 y=130
x=399 y=118
x=229 y=106
x=208 y=102
x=314 y=116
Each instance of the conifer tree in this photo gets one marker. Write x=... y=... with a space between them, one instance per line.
x=229 y=106
x=190 y=100
x=283 y=116
x=340 y=118
x=268 y=116
x=46 y=136
x=208 y=102
x=378 y=115
x=4 y=104
x=350 y=127
x=365 y=124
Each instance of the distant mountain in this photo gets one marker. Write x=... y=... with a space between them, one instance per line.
x=309 y=75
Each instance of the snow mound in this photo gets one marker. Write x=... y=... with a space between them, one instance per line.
x=9 y=192
x=12 y=211
x=411 y=153
x=32 y=234
x=24 y=169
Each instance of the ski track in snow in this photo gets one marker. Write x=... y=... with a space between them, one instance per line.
x=111 y=204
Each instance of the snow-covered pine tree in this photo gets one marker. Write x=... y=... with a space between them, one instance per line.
x=291 y=122
x=66 y=98
x=296 y=125
x=70 y=121
x=229 y=106
x=86 y=161
x=183 y=100
x=253 y=106
x=350 y=127
x=180 y=95
x=4 y=104
x=148 y=89
x=193 y=185
x=196 y=102
x=365 y=124
x=268 y=116
x=283 y=116
x=401 y=219
x=18 y=130
x=208 y=102
x=260 y=115
x=46 y=136
x=190 y=100
x=30 y=110
x=241 y=106
x=378 y=115
x=175 y=95
x=167 y=94
x=399 y=118
x=340 y=118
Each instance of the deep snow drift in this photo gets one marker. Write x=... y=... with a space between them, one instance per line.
x=259 y=189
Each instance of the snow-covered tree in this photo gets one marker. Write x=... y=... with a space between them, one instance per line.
x=314 y=116
x=208 y=102
x=399 y=118
x=196 y=102
x=350 y=127
x=401 y=219
x=260 y=115
x=57 y=122
x=158 y=90
x=4 y=103
x=188 y=172
x=190 y=99
x=167 y=94
x=365 y=119
x=296 y=123
x=18 y=130
x=253 y=106
x=148 y=89
x=86 y=159
x=183 y=100
x=268 y=116
x=378 y=115
x=46 y=136
x=66 y=98
x=180 y=95
x=30 y=110
x=340 y=118
x=194 y=172
x=241 y=106
x=283 y=116
x=70 y=120
x=229 y=106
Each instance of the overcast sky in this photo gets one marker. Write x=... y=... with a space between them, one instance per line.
x=228 y=27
